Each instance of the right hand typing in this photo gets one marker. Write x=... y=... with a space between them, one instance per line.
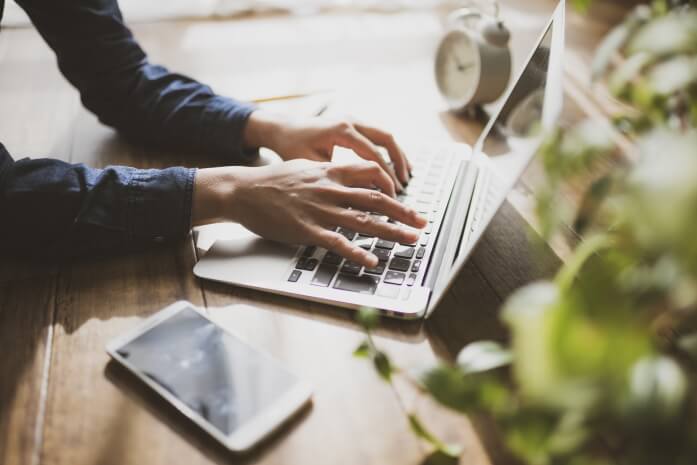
x=302 y=202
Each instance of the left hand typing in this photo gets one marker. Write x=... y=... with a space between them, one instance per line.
x=315 y=139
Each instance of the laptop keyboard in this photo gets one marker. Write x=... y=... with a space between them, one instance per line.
x=401 y=266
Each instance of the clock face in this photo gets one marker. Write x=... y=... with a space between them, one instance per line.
x=457 y=68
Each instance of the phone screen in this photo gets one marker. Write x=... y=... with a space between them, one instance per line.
x=222 y=379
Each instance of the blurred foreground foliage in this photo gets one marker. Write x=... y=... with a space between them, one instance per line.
x=601 y=364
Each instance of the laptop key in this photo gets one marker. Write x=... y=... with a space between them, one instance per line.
x=411 y=279
x=347 y=233
x=308 y=264
x=416 y=266
x=330 y=258
x=394 y=277
x=400 y=264
x=364 y=242
x=421 y=252
x=404 y=252
x=378 y=270
x=383 y=244
x=364 y=284
x=308 y=251
x=382 y=254
x=324 y=275
x=294 y=276
x=351 y=268
x=424 y=239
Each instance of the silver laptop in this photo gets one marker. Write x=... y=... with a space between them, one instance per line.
x=458 y=187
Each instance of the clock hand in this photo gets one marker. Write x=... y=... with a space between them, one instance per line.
x=460 y=66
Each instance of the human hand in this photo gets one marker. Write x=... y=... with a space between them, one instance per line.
x=315 y=139
x=302 y=202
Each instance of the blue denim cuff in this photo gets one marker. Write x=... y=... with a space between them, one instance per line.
x=5 y=159
x=159 y=203
x=222 y=128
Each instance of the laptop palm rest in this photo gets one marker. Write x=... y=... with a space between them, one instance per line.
x=249 y=261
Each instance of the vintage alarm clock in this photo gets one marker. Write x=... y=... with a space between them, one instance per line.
x=473 y=62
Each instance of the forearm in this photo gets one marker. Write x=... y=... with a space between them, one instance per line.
x=147 y=103
x=51 y=209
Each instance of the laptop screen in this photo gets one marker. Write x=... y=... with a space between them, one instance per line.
x=520 y=118
x=511 y=138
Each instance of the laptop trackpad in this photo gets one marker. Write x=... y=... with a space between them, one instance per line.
x=250 y=260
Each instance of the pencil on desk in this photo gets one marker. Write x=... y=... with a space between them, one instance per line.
x=277 y=98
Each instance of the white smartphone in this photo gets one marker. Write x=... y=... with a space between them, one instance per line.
x=234 y=392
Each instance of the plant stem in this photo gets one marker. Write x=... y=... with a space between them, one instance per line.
x=588 y=247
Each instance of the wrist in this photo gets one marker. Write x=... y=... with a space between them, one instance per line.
x=263 y=129
x=215 y=190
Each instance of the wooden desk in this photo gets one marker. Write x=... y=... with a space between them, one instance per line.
x=60 y=403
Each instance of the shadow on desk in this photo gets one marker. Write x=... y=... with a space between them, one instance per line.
x=37 y=299
x=166 y=414
x=27 y=307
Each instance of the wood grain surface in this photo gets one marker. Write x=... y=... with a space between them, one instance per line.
x=61 y=402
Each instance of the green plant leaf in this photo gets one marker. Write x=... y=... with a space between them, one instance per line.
x=529 y=312
x=582 y=5
x=418 y=428
x=671 y=34
x=688 y=344
x=665 y=175
x=467 y=393
x=658 y=388
x=582 y=145
x=673 y=75
x=617 y=39
x=368 y=318
x=483 y=356
x=588 y=247
x=626 y=74
x=527 y=435
x=591 y=203
x=363 y=350
x=383 y=365
x=437 y=457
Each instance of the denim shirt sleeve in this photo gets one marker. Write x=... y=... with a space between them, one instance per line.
x=146 y=103
x=50 y=209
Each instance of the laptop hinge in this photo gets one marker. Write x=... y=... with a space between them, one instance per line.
x=448 y=238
